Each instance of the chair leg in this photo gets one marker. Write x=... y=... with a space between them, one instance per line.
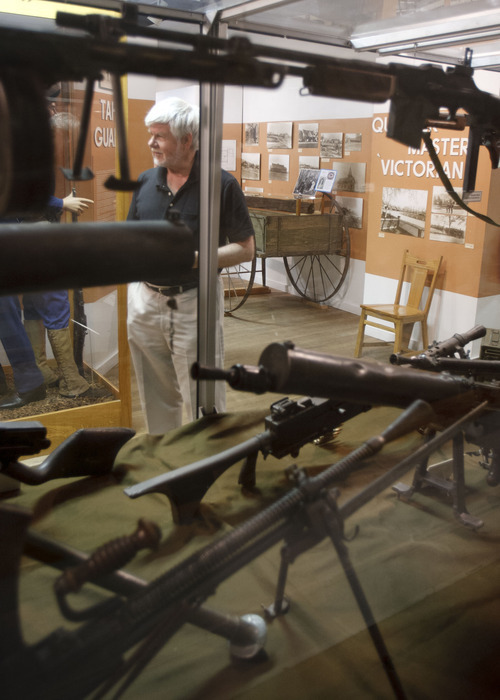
x=425 y=334
x=398 y=333
x=361 y=335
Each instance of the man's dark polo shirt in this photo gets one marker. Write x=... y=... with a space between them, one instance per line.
x=154 y=199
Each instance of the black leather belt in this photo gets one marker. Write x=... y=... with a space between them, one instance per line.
x=171 y=291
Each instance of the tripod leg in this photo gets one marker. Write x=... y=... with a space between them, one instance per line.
x=459 y=506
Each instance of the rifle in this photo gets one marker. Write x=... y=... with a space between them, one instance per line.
x=87 y=452
x=291 y=425
x=91 y=656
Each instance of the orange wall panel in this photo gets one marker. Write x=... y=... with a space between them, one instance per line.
x=395 y=165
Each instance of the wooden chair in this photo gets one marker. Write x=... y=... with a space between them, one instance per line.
x=403 y=316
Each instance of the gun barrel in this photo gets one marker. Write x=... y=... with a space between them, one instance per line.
x=240 y=377
x=86 y=256
x=294 y=370
x=482 y=368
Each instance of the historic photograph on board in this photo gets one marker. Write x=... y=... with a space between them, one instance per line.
x=308 y=136
x=250 y=166
x=352 y=210
x=279 y=134
x=311 y=162
x=351 y=177
x=252 y=134
x=331 y=145
x=279 y=167
x=442 y=203
x=403 y=211
x=448 y=220
x=352 y=142
x=306 y=183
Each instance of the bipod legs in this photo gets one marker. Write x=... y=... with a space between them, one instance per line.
x=334 y=525
x=322 y=519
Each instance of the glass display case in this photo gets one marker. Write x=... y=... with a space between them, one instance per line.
x=78 y=336
x=355 y=554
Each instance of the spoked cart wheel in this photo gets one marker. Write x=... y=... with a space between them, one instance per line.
x=319 y=277
x=238 y=282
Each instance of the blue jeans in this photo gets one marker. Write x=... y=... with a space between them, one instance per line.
x=17 y=346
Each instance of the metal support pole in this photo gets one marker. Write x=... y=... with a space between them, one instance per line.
x=211 y=109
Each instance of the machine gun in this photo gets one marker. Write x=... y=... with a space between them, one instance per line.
x=450 y=356
x=84 y=46
x=291 y=425
x=283 y=368
x=78 y=661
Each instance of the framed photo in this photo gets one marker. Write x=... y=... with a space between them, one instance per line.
x=308 y=135
x=251 y=134
x=311 y=162
x=279 y=134
x=331 y=145
x=279 y=167
x=250 y=166
x=353 y=142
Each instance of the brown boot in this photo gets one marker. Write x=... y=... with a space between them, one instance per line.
x=71 y=383
x=36 y=333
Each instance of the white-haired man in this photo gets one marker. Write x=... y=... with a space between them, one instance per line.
x=162 y=313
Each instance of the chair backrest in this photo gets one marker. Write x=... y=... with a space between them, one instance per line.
x=416 y=271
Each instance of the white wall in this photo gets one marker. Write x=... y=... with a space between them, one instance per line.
x=450 y=313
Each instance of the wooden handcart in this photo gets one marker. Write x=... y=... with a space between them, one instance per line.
x=315 y=248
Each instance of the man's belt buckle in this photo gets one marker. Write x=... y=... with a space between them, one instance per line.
x=171 y=290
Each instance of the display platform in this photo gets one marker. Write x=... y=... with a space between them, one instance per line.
x=432 y=583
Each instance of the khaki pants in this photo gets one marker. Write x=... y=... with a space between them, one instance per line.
x=163 y=347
